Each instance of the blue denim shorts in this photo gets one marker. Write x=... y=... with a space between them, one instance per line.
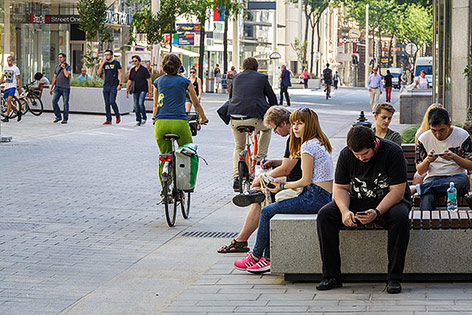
x=9 y=92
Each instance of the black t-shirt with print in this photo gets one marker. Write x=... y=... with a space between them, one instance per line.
x=111 y=73
x=140 y=78
x=296 y=172
x=371 y=180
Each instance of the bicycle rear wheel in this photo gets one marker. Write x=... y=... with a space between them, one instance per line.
x=243 y=173
x=35 y=105
x=185 y=204
x=169 y=194
x=15 y=102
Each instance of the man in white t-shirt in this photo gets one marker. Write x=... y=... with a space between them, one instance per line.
x=444 y=153
x=11 y=78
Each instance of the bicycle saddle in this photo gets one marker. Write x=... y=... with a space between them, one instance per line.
x=170 y=136
x=245 y=128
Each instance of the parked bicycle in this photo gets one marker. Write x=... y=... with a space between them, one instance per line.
x=247 y=158
x=30 y=101
x=177 y=194
x=4 y=105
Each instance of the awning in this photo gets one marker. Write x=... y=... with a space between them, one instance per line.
x=178 y=50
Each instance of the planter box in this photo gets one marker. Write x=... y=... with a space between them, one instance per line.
x=314 y=83
x=413 y=105
x=89 y=100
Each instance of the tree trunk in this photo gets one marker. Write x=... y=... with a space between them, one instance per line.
x=225 y=43
x=202 y=49
x=390 y=50
x=312 y=47
x=318 y=47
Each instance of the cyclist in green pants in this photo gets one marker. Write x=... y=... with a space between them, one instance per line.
x=169 y=112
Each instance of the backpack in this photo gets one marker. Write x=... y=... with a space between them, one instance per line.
x=327 y=74
x=186 y=166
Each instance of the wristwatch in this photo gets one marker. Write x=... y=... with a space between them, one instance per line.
x=378 y=214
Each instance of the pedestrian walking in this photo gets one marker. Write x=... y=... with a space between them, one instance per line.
x=374 y=84
x=305 y=78
x=388 y=86
x=404 y=81
x=336 y=80
x=217 y=73
x=11 y=78
x=139 y=83
x=197 y=86
x=284 y=84
x=328 y=80
x=422 y=81
x=229 y=79
x=61 y=87
x=111 y=85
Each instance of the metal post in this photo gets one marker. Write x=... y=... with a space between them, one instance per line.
x=300 y=21
x=236 y=42
x=274 y=46
x=367 y=61
x=156 y=48
x=3 y=138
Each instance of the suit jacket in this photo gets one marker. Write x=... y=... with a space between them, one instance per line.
x=248 y=94
x=285 y=78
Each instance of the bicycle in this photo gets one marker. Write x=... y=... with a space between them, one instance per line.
x=247 y=159
x=3 y=106
x=172 y=194
x=29 y=100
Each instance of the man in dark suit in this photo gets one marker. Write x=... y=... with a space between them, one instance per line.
x=284 y=84
x=249 y=98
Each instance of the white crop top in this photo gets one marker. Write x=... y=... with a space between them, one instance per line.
x=323 y=169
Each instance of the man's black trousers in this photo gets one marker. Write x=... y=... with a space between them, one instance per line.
x=284 y=90
x=329 y=223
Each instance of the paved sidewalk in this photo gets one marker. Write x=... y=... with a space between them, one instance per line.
x=80 y=231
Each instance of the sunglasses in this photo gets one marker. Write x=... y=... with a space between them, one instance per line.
x=135 y=61
x=192 y=72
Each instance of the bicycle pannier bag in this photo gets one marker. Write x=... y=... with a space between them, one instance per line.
x=186 y=164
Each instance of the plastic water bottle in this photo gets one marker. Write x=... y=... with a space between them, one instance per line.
x=452 y=198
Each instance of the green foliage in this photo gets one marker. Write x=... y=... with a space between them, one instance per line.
x=92 y=20
x=417 y=26
x=408 y=135
x=300 y=49
x=95 y=83
x=468 y=70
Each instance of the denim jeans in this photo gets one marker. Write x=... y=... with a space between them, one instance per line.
x=109 y=94
x=58 y=92
x=436 y=186
x=310 y=201
x=139 y=108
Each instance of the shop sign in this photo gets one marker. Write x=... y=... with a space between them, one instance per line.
x=192 y=28
x=186 y=39
x=349 y=40
x=118 y=18
x=54 y=19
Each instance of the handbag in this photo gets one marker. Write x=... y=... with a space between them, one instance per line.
x=288 y=194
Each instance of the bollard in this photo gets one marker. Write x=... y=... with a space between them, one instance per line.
x=361 y=120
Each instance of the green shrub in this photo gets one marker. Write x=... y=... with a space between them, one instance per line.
x=408 y=135
x=95 y=83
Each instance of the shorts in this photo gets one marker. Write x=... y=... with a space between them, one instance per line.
x=9 y=92
x=328 y=82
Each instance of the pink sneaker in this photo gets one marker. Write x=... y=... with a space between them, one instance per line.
x=263 y=265
x=245 y=263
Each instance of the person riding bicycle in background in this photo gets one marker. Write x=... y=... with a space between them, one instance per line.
x=169 y=112
x=247 y=99
x=328 y=79
x=11 y=78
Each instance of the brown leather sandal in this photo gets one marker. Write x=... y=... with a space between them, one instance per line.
x=234 y=247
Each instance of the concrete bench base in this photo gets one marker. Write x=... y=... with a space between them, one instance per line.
x=437 y=255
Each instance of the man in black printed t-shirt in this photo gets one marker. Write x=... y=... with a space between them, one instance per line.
x=278 y=119
x=111 y=85
x=371 y=176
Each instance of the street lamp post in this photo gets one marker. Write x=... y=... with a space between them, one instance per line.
x=366 y=62
x=156 y=48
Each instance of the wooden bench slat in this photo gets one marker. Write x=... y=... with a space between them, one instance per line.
x=426 y=218
x=416 y=219
x=436 y=219
x=454 y=220
x=463 y=219
x=445 y=223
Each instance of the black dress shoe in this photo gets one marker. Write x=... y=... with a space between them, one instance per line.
x=394 y=287
x=244 y=200
x=329 y=284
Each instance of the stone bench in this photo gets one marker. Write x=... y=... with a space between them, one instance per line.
x=438 y=249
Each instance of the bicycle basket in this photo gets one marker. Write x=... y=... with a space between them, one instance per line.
x=186 y=166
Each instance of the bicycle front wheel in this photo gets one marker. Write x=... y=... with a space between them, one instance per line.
x=185 y=204
x=169 y=194
x=35 y=105
x=15 y=102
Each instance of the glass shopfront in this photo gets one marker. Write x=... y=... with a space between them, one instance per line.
x=35 y=33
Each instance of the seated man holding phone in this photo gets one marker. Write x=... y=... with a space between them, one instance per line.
x=444 y=153
x=370 y=186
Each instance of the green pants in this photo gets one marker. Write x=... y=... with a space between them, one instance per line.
x=177 y=126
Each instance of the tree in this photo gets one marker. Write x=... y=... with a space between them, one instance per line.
x=229 y=8
x=300 y=49
x=317 y=7
x=93 y=24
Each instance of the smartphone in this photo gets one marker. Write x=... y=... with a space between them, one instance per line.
x=438 y=154
x=361 y=213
